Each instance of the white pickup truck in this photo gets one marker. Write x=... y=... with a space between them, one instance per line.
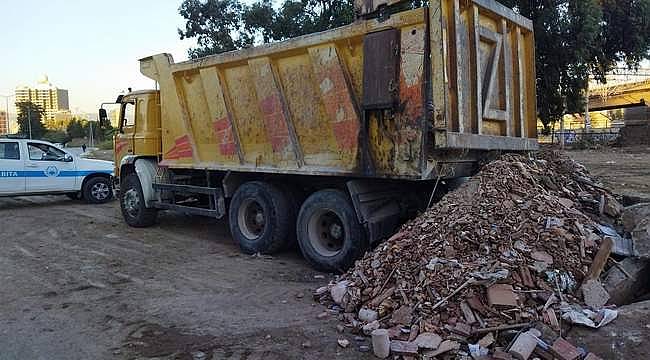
x=33 y=167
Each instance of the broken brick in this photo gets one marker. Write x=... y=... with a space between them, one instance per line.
x=501 y=295
x=565 y=350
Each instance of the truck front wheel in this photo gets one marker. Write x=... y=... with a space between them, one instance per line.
x=259 y=217
x=329 y=234
x=132 y=203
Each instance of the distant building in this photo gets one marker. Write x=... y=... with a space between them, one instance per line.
x=50 y=98
x=4 y=122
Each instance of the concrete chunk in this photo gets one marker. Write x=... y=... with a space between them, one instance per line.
x=398 y=347
x=594 y=294
x=623 y=289
x=428 y=340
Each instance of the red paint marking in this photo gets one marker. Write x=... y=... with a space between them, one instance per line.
x=181 y=149
x=225 y=138
x=337 y=101
x=275 y=123
x=120 y=146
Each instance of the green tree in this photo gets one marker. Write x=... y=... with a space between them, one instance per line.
x=77 y=128
x=30 y=116
x=224 y=25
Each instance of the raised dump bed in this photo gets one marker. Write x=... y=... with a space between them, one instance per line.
x=363 y=99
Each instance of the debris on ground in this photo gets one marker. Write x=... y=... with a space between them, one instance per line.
x=517 y=248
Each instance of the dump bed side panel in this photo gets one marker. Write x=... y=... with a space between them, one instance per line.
x=489 y=97
x=296 y=106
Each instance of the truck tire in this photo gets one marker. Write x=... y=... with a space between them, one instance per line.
x=132 y=203
x=329 y=234
x=260 y=219
x=98 y=190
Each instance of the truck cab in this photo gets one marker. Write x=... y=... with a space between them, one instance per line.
x=138 y=128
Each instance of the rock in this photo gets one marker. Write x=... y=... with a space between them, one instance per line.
x=402 y=316
x=343 y=343
x=398 y=347
x=380 y=343
x=641 y=239
x=322 y=315
x=199 y=355
x=501 y=295
x=594 y=294
x=542 y=256
x=368 y=315
x=370 y=327
x=612 y=207
x=632 y=215
x=340 y=328
x=338 y=291
x=625 y=338
x=428 y=340
x=523 y=346
x=623 y=289
x=445 y=346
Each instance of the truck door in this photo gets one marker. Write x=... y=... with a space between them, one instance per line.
x=124 y=141
x=48 y=169
x=12 y=176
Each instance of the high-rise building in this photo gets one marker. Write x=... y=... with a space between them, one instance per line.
x=4 y=122
x=50 y=98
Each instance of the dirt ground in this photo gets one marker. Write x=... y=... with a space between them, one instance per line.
x=625 y=170
x=79 y=284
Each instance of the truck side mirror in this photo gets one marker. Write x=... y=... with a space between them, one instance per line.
x=68 y=158
x=103 y=116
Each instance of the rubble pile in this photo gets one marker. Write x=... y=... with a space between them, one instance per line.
x=490 y=269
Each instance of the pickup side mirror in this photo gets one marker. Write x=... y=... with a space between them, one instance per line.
x=68 y=158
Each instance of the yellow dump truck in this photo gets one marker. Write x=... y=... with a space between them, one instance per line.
x=330 y=139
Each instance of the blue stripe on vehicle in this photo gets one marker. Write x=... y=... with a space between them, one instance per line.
x=41 y=173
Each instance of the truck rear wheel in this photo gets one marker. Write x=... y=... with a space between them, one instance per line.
x=329 y=234
x=132 y=203
x=260 y=218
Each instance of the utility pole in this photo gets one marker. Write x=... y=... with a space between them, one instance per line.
x=92 y=138
x=29 y=119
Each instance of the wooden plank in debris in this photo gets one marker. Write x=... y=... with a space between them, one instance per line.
x=600 y=259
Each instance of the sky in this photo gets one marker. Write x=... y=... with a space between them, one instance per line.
x=91 y=48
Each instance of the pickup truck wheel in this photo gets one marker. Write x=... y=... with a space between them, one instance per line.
x=134 y=211
x=98 y=190
x=259 y=218
x=329 y=234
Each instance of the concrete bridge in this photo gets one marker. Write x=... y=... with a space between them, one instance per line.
x=621 y=95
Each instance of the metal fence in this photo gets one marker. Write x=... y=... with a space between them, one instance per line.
x=571 y=137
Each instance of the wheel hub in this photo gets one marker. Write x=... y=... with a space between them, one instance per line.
x=100 y=191
x=251 y=219
x=326 y=232
x=131 y=202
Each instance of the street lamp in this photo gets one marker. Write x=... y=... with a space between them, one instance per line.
x=7 y=108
